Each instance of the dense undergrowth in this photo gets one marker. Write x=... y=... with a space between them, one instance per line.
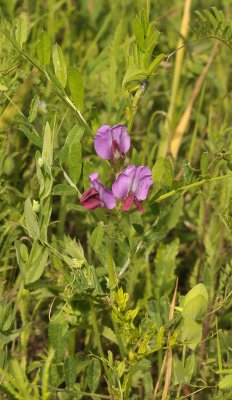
x=113 y=304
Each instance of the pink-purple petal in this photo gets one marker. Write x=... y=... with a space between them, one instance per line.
x=122 y=186
x=128 y=202
x=110 y=140
x=103 y=142
x=142 y=182
x=90 y=199
x=106 y=196
x=120 y=134
x=108 y=199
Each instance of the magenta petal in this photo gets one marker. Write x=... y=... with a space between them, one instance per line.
x=142 y=182
x=103 y=142
x=120 y=134
x=90 y=199
x=128 y=202
x=122 y=186
x=106 y=196
x=138 y=205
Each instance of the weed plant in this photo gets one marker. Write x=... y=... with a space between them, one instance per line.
x=115 y=200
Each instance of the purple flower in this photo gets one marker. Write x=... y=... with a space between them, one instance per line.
x=132 y=185
x=112 y=143
x=98 y=195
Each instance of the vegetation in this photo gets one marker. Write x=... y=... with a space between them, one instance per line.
x=132 y=301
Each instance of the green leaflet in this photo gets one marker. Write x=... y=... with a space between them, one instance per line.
x=59 y=65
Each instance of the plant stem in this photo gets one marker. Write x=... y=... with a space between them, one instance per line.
x=98 y=340
x=113 y=283
x=137 y=100
x=183 y=363
x=192 y=185
x=128 y=385
x=168 y=128
x=183 y=123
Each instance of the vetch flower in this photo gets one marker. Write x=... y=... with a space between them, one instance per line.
x=112 y=143
x=132 y=185
x=98 y=195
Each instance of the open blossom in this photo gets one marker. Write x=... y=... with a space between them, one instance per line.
x=132 y=185
x=98 y=195
x=112 y=143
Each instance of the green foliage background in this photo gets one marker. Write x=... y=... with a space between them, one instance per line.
x=85 y=297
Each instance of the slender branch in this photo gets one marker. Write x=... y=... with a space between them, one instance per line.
x=98 y=340
x=181 y=127
x=191 y=186
x=160 y=376
x=176 y=77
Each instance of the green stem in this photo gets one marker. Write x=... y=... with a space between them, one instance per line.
x=183 y=363
x=62 y=215
x=219 y=354
x=136 y=103
x=113 y=283
x=119 y=339
x=168 y=128
x=128 y=385
x=192 y=185
x=113 y=280
x=63 y=96
x=98 y=340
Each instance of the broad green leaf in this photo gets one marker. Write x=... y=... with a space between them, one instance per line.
x=195 y=308
x=225 y=383
x=33 y=108
x=151 y=42
x=75 y=135
x=155 y=63
x=76 y=87
x=93 y=374
x=54 y=81
x=139 y=33
x=58 y=335
x=36 y=264
x=190 y=332
x=31 y=135
x=5 y=339
x=31 y=220
x=109 y=334
x=59 y=65
x=44 y=48
x=74 y=162
x=198 y=290
x=165 y=265
x=22 y=256
x=137 y=222
x=3 y=88
x=7 y=315
x=97 y=237
x=162 y=171
x=183 y=373
x=179 y=374
x=204 y=163
x=63 y=190
x=70 y=367
x=87 y=169
x=190 y=365
x=21 y=32
x=133 y=78
x=74 y=249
